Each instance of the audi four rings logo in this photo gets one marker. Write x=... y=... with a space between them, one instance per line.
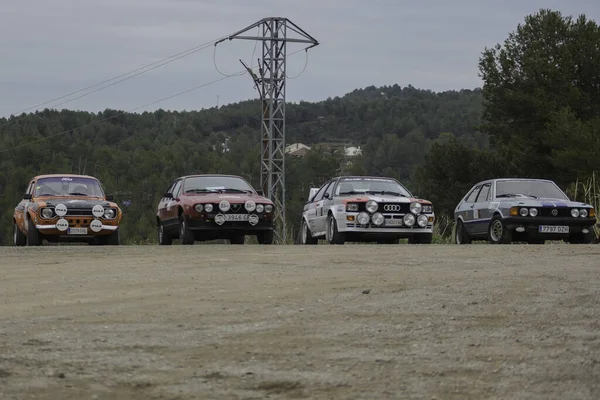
x=391 y=207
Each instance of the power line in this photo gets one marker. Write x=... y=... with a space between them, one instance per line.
x=122 y=77
x=131 y=110
x=116 y=115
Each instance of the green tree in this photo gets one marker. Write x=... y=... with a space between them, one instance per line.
x=542 y=95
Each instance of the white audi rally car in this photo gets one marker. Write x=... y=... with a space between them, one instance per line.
x=365 y=209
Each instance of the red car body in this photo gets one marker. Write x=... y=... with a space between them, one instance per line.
x=213 y=206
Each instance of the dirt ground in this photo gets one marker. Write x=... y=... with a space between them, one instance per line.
x=293 y=322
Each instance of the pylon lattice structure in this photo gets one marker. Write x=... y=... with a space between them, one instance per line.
x=270 y=84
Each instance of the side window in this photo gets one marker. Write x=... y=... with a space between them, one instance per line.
x=319 y=194
x=176 y=189
x=484 y=194
x=473 y=195
x=330 y=189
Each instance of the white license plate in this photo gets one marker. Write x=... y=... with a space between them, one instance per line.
x=553 y=229
x=395 y=222
x=236 y=217
x=77 y=231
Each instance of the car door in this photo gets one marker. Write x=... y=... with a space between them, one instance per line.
x=321 y=207
x=21 y=208
x=314 y=212
x=165 y=205
x=481 y=211
x=467 y=209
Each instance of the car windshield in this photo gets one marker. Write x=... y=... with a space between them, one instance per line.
x=527 y=188
x=216 y=184
x=349 y=186
x=68 y=186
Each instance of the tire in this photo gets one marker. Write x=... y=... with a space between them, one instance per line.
x=461 y=236
x=186 y=236
x=497 y=232
x=332 y=234
x=113 y=239
x=306 y=237
x=33 y=235
x=19 y=239
x=389 y=241
x=583 y=238
x=239 y=239
x=265 y=237
x=163 y=238
x=421 y=238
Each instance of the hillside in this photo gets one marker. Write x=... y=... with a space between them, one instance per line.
x=137 y=155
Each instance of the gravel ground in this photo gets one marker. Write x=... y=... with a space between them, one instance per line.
x=293 y=322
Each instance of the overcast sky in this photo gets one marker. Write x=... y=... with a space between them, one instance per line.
x=52 y=47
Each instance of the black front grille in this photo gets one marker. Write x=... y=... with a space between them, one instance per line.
x=80 y=212
x=560 y=212
x=388 y=208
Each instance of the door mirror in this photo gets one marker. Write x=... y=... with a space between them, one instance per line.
x=168 y=195
x=110 y=197
x=326 y=196
x=27 y=196
x=312 y=193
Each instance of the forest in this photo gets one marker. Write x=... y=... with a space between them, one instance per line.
x=536 y=115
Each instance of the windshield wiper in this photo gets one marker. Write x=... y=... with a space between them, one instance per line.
x=78 y=194
x=350 y=192
x=201 y=191
x=516 y=195
x=236 y=190
x=386 y=192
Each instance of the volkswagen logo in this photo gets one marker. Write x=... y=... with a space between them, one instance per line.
x=391 y=207
x=554 y=212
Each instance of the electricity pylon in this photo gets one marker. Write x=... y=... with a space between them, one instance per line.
x=270 y=83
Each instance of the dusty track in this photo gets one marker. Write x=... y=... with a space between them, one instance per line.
x=245 y=322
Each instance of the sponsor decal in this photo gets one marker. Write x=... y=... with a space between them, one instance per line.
x=67 y=179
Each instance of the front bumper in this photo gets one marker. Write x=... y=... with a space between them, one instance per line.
x=530 y=225
x=207 y=223
x=347 y=223
x=76 y=227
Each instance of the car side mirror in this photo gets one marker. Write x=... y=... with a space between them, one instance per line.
x=110 y=197
x=27 y=196
x=326 y=196
x=168 y=195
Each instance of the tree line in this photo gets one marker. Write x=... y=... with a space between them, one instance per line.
x=537 y=115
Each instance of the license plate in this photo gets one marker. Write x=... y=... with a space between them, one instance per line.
x=236 y=217
x=553 y=229
x=77 y=231
x=393 y=222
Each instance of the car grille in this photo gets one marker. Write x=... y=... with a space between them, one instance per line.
x=560 y=212
x=80 y=212
x=388 y=208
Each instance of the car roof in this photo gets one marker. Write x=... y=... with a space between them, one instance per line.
x=200 y=175
x=64 y=175
x=364 y=176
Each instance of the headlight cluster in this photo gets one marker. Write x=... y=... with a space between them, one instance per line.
x=47 y=213
x=109 y=213
x=524 y=211
x=225 y=206
x=414 y=217
x=583 y=213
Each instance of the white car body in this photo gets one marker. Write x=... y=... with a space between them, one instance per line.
x=344 y=200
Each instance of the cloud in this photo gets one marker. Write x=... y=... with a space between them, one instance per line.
x=50 y=48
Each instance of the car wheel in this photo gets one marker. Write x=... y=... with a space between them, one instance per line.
x=461 y=236
x=163 y=237
x=332 y=234
x=33 y=235
x=421 y=238
x=265 y=237
x=497 y=231
x=583 y=238
x=186 y=236
x=305 y=235
x=18 y=238
x=239 y=239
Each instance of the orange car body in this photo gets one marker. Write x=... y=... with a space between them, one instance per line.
x=66 y=208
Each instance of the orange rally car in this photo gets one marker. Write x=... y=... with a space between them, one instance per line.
x=66 y=208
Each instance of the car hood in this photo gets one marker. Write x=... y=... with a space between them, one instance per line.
x=382 y=199
x=75 y=203
x=542 y=202
x=230 y=197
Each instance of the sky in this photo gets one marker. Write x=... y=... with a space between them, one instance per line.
x=52 y=48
